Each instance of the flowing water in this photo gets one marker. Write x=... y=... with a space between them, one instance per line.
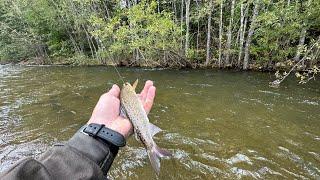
x=217 y=124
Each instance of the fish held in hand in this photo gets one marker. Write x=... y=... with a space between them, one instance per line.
x=132 y=108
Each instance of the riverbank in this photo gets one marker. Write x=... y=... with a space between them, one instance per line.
x=263 y=67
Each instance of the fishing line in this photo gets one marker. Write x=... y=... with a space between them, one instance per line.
x=118 y=72
x=114 y=64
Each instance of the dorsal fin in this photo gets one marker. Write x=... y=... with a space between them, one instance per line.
x=134 y=85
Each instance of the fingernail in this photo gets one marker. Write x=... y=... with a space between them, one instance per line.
x=115 y=86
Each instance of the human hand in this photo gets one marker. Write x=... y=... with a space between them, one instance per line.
x=107 y=110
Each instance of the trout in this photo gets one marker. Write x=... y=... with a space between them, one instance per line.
x=132 y=108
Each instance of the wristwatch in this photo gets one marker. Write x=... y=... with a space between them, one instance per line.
x=100 y=132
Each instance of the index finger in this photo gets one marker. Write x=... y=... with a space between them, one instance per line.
x=144 y=92
x=149 y=99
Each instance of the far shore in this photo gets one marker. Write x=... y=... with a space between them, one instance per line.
x=280 y=66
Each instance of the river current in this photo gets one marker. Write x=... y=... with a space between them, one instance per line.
x=217 y=124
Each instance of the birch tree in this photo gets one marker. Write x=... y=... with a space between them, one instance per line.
x=220 y=33
x=186 y=47
x=181 y=22
x=249 y=37
x=229 y=35
x=301 y=44
x=209 y=34
x=241 y=34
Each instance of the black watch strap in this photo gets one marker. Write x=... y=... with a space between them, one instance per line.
x=105 y=134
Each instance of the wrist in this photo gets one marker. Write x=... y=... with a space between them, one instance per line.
x=104 y=134
x=120 y=125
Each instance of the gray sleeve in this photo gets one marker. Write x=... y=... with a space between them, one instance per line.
x=82 y=157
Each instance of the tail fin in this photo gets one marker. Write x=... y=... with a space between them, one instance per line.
x=154 y=155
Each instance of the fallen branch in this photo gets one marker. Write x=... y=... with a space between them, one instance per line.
x=277 y=82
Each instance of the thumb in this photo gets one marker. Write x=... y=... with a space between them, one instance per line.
x=114 y=91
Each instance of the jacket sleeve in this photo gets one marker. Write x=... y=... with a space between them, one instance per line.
x=82 y=157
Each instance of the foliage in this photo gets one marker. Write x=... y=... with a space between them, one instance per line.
x=150 y=32
x=139 y=32
x=303 y=73
x=308 y=75
x=14 y=37
x=279 y=27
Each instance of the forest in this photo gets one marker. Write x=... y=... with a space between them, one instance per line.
x=252 y=34
x=234 y=84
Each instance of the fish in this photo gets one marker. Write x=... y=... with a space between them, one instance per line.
x=132 y=108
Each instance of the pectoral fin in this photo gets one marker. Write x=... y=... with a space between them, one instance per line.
x=153 y=129
x=134 y=85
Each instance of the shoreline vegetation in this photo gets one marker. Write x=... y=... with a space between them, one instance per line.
x=280 y=66
x=227 y=34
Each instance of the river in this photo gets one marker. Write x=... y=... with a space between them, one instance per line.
x=218 y=124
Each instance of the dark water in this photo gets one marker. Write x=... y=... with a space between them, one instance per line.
x=217 y=124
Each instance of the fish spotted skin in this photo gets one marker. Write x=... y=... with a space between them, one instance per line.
x=132 y=107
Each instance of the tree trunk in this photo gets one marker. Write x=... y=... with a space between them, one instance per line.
x=186 y=47
x=107 y=10
x=238 y=33
x=229 y=35
x=174 y=10
x=220 y=33
x=209 y=34
x=314 y=57
x=181 y=24
x=249 y=37
x=301 y=43
x=198 y=31
x=89 y=41
x=158 y=6
x=198 y=36
x=241 y=35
